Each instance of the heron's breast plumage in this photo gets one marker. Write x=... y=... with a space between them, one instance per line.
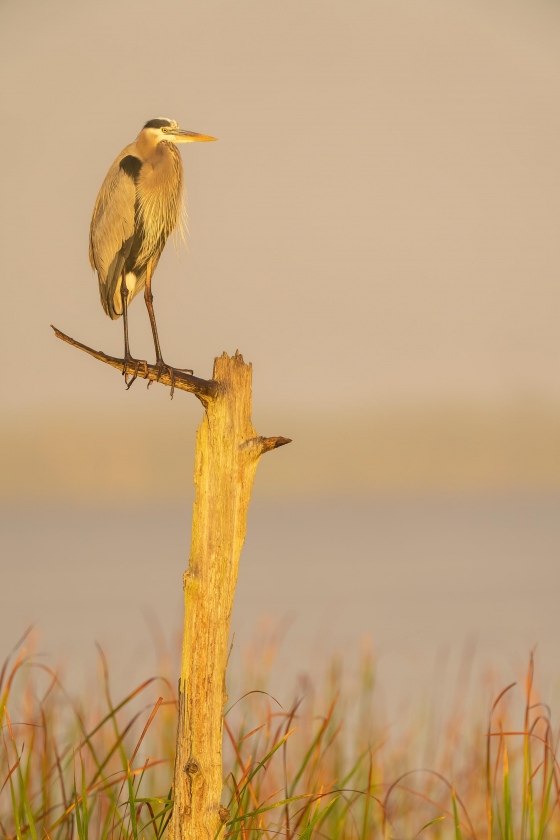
x=159 y=200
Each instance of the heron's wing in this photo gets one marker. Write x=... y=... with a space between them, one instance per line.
x=112 y=229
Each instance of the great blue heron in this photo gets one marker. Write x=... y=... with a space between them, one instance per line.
x=138 y=206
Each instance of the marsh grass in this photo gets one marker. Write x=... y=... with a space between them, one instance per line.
x=327 y=766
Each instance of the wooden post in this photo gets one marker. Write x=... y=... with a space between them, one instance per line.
x=227 y=453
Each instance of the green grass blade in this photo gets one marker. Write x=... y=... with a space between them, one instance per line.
x=456 y=823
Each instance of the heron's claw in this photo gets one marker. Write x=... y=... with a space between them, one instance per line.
x=128 y=360
x=138 y=362
x=171 y=371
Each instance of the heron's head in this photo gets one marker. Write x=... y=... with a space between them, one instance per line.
x=164 y=129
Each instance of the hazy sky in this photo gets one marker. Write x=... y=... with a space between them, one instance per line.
x=377 y=223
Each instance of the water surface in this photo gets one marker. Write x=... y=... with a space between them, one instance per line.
x=421 y=578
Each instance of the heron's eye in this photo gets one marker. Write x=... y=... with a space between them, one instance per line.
x=165 y=130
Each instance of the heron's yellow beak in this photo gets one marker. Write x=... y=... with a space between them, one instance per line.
x=179 y=135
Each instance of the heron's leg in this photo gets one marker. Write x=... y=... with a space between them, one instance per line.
x=149 y=298
x=127 y=356
x=124 y=299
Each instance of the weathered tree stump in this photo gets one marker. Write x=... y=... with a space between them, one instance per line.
x=227 y=453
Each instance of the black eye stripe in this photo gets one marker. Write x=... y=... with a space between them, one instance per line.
x=158 y=124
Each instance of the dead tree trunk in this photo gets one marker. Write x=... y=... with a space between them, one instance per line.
x=227 y=453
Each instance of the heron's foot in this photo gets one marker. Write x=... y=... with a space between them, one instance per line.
x=138 y=363
x=163 y=368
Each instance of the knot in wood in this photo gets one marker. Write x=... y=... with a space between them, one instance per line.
x=224 y=814
x=191 y=767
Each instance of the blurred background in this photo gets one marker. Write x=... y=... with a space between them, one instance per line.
x=377 y=232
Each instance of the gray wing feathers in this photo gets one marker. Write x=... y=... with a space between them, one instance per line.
x=111 y=234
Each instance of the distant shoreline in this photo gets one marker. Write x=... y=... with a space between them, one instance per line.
x=462 y=447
